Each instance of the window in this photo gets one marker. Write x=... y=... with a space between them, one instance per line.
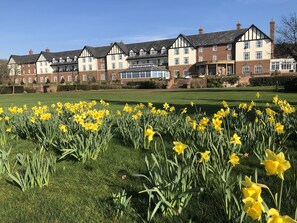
x=83 y=60
x=163 y=50
x=69 y=78
x=245 y=69
x=176 y=73
x=186 y=50
x=75 y=58
x=142 y=53
x=176 y=61
x=84 y=67
x=90 y=67
x=214 y=58
x=112 y=57
x=229 y=70
x=176 y=51
x=45 y=63
x=229 y=56
x=113 y=66
x=246 y=45
x=120 y=56
x=186 y=60
x=55 y=79
x=30 y=80
x=85 y=77
x=103 y=76
x=229 y=47
x=246 y=55
x=259 y=43
x=102 y=66
x=29 y=71
x=153 y=51
x=46 y=70
x=41 y=64
x=200 y=49
x=113 y=76
x=120 y=65
x=200 y=58
x=275 y=66
x=214 y=48
x=258 y=54
x=24 y=80
x=41 y=79
x=258 y=69
x=131 y=53
x=186 y=73
x=41 y=70
x=90 y=59
x=28 y=65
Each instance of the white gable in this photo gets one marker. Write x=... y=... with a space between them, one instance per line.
x=115 y=50
x=253 y=33
x=181 y=42
x=85 y=53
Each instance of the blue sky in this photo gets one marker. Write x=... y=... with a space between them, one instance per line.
x=71 y=24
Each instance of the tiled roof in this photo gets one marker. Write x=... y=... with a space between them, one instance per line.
x=26 y=59
x=157 y=45
x=98 y=52
x=64 y=54
x=216 y=38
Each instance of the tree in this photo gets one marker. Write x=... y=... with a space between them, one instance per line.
x=9 y=74
x=4 y=71
x=288 y=35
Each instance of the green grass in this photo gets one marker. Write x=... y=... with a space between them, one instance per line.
x=80 y=192
x=208 y=99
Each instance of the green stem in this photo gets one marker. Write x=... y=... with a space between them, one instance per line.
x=273 y=197
x=280 y=196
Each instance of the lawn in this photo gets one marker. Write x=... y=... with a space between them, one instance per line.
x=83 y=192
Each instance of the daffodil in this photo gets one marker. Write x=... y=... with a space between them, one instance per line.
x=253 y=208
x=258 y=95
x=205 y=156
x=276 y=164
x=63 y=128
x=149 y=132
x=192 y=103
x=235 y=140
x=233 y=159
x=275 y=217
x=279 y=128
x=166 y=106
x=251 y=189
x=179 y=147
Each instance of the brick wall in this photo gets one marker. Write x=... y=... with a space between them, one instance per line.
x=208 y=53
x=265 y=66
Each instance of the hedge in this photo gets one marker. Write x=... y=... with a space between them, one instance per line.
x=9 y=89
x=291 y=86
x=270 y=81
x=150 y=84
x=217 y=82
x=86 y=87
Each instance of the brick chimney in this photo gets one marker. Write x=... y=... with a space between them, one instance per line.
x=272 y=29
x=201 y=30
x=47 y=50
x=30 y=52
x=238 y=25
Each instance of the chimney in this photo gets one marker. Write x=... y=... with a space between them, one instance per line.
x=238 y=25
x=30 y=52
x=272 y=29
x=200 y=30
x=47 y=50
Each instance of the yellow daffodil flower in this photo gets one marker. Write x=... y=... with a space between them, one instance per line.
x=279 y=128
x=149 y=132
x=235 y=140
x=276 y=164
x=275 y=217
x=233 y=159
x=179 y=147
x=204 y=156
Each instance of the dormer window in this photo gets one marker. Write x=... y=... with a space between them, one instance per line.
x=142 y=52
x=54 y=60
x=75 y=58
x=153 y=51
x=61 y=60
x=67 y=59
x=132 y=53
x=163 y=50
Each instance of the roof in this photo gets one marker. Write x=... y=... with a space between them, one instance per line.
x=146 y=46
x=157 y=55
x=98 y=52
x=216 y=38
x=64 y=54
x=26 y=59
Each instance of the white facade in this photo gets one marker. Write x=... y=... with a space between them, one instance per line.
x=86 y=62
x=181 y=53
x=43 y=66
x=116 y=59
x=14 y=69
x=253 y=45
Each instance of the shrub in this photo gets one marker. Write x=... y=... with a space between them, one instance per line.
x=291 y=86
x=199 y=83
x=219 y=81
x=270 y=81
x=9 y=89
x=30 y=90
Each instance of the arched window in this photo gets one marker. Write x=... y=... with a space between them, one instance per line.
x=246 y=69
x=163 y=50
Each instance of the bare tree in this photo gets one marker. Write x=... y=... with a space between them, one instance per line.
x=4 y=71
x=9 y=74
x=287 y=39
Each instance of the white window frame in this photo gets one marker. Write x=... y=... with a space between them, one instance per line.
x=200 y=58
x=258 y=69
x=259 y=55
x=186 y=50
x=246 y=45
x=214 y=58
x=176 y=51
x=215 y=48
x=246 y=71
x=186 y=60
x=246 y=55
x=259 y=44
x=200 y=49
x=176 y=61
